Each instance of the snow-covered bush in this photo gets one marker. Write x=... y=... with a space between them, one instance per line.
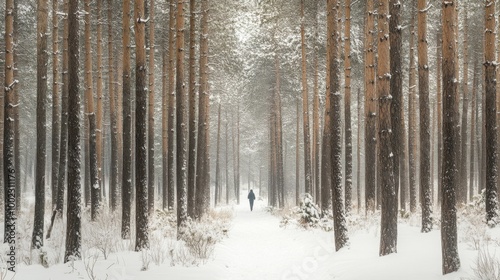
x=487 y=265
x=104 y=233
x=307 y=215
x=472 y=221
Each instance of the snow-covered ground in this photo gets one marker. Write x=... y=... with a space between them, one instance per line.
x=256 y=247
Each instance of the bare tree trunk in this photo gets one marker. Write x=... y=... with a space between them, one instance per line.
x=218 y=188
x=389 y=203
x=396 y=88
x=473 y=132
x=93 y=150
x=423 y=88
x=340 y=229
x=171 y=105
x=347 y=108
x=449 y=249
x=181 y=128
x=164 y=117
x=412 y=118
x=316 y=134
x=73 y=231
x=227 y=159
x=203 y=158
x=41 y=122
x=370 y=110
x=56 y=109
x=439 y=102
x=192 y=161
x=99 y=110
x=114 y=166
x=491 y=114
x=127 y=125
x=297 y=158
x=151 y=110
x=305 y=108
x=141 y=175
x=462 y=191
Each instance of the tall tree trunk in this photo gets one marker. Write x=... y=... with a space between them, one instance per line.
x=99 y=110
x=490 y=114
x=340 y=229
x=56 y=109
x=181 y=128
x=449 y=248
x=425 y=148
x=370 y=109
x=439 y=102
x=297 y=157
x=227 y=158
x=8 y=159
x=305 y=107
x=41 y=122
x=203 y=158
x=17 y=152
x=396 y=89
x=171 y=105
x=92 y=139
x=462 y=191
x=141 y=175
x=164 y=117
x=73 y=231
x=127 y=124
x=347 y=108
x=316 y=134
x=218 y=188
x=113 y=115
x=389 y=203
x=358 y=154
x=412 y=118
x=192 y=161
x=151 y=110
x=473 y=132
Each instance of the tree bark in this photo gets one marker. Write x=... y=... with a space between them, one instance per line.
x=340 y=229
x=473 y=132
x=41 y=121
x=127 y=124
x=171 y=105
x=389 y=203
x=192 y=161
x=305 y=108
x=462 y=192
x=73 y=231
x=99 y=110
x=92 y=139
x=203 y=157
x=181 y=128
x=151 y=110
x=56 y=107
x=347 y=108
x=425 y=149
x=141 y=175
x=370 y=110
x=412 y=118
x=449 y=249
x=490 y=114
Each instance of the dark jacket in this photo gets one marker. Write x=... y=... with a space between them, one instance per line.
x=251 y=195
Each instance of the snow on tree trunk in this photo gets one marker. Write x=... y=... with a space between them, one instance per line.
x=73 y=231
x=450 y=179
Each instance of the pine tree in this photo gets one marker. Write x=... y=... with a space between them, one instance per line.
x=73 y=231
x=449 y=248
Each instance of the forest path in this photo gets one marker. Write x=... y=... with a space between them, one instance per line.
x=258 y=248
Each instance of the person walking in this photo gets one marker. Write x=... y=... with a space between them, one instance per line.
x=251 y=198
